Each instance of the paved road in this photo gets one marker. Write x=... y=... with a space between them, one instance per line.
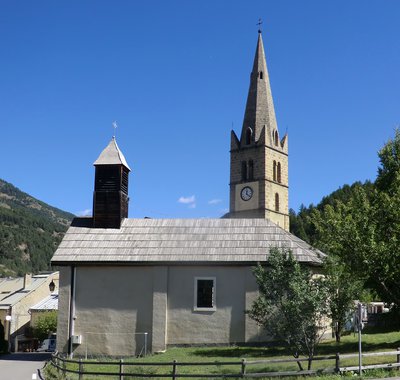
x=21 y=366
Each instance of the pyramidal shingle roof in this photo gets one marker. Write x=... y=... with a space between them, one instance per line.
x=179 y=241
x=112 y=155
x=260 y=111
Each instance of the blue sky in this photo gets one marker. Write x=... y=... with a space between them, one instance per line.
x=175 y=75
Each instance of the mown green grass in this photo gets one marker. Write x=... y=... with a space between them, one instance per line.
x=372 y=342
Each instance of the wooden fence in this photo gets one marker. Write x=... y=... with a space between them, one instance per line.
x=172 y=368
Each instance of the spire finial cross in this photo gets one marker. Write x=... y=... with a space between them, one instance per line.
x=114 y=124
x=259 y=25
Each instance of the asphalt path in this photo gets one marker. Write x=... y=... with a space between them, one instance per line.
x=22 y=366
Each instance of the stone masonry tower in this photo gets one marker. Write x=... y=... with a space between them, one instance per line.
x=110 y=198
x=259 y=184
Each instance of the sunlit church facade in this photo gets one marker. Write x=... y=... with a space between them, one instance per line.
x=128 y=285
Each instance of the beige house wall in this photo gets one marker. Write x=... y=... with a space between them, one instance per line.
x=114 y=305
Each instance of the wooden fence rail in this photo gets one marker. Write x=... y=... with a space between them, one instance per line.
x=80 y=367
x=372 y=366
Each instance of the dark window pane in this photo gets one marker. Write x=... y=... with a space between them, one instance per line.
x=205 y=293
x=251 y=170
x=244 y=170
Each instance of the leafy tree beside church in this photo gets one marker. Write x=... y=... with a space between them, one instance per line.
x=291 y=305
x=360 y=225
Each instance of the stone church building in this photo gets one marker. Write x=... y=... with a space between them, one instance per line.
x=129 y=285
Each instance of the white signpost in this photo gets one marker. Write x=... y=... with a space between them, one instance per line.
x=359 y=325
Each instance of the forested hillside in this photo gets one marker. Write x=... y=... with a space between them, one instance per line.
x=302 y=223
x=30 y=231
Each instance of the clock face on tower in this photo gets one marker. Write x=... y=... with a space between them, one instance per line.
x=246 y=193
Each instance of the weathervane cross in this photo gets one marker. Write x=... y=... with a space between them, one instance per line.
x=114 y=124
x=259 y=25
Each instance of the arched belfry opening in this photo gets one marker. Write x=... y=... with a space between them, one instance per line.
x=276 y=138
x=249 y=136
x=277 y=202
x=110 y=198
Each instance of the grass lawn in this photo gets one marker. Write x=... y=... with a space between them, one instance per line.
x=372 y=342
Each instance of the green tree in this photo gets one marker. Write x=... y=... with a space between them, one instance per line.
x=291 y=304
x=344 y=229
x=385 y=259
x=389 y=170
x=364 y=229
x=46 y=324
x=343 y=288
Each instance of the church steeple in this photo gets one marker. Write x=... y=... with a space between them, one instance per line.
x=259 y=159
x=110 y=198
x=260 y=112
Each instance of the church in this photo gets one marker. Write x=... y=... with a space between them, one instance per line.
x=130 y=286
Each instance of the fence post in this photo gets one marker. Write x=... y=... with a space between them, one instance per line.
x=64 y=365
x=337 y=363
x=54 y=361
x=121 y=369
x=398 y=357
x=174 y=370
x=80 y=369
x=243 y=370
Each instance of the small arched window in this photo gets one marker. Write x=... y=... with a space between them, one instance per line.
x=276 y=138
x=261 y=75
x=249 y=135
x=251 y=169
x=278 y=174
x=276 y=202
x=274 y=171
x=244 y=171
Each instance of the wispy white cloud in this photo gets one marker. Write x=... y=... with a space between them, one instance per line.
x=190 y=201
x=187 y=200
x=87 y=212
x=214 y=201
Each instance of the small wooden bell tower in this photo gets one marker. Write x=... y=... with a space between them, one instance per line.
x=110 y=198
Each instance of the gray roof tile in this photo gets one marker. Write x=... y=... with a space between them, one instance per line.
x=142 y=241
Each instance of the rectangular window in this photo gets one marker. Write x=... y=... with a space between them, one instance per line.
x=204 y=294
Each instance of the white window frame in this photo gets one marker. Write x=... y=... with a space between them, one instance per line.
x=214 y=294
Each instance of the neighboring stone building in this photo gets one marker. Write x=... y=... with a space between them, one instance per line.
x=129 y=283
x=17 y=296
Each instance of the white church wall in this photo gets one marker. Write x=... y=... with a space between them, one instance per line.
x=225 y=324
x=113 y=309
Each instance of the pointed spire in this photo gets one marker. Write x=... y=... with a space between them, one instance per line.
x=260 y=110
x=111 y=155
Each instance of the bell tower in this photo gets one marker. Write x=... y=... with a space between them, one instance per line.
x=110 y=198
x=259 y=184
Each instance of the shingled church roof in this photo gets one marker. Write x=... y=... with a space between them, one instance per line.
x=179 y=241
